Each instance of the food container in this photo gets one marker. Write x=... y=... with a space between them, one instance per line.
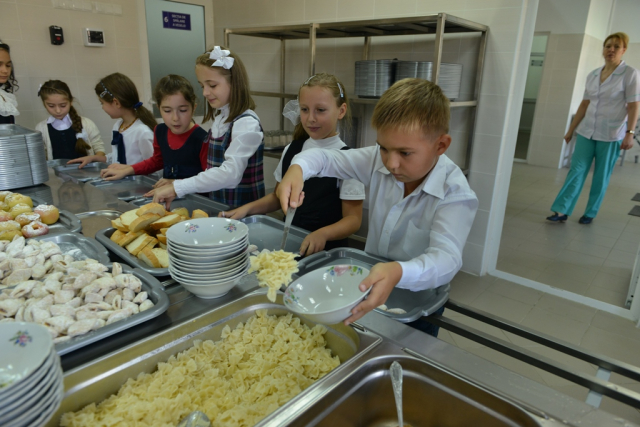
x=266 y=233
x=127 y=188
x=78 y=246
x=98 y=379
x=103 y=236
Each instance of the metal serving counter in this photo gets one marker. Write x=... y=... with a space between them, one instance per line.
x=449 y=376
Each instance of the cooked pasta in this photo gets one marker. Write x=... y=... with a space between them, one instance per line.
x=237 y=381
x=274 y=270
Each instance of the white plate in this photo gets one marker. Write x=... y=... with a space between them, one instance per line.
x=203 y=260
x=26 y=384
x=25 y=346
x=328 y=294
x=53 y=394
x=207 y=232
x=203 y=252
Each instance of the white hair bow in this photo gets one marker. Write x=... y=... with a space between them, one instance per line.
x=292 y=111
x=221 y=58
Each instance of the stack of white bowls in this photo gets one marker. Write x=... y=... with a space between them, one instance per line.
x=208 y=256
x=31 y=383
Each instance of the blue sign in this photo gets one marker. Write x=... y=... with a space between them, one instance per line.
x=177 y=21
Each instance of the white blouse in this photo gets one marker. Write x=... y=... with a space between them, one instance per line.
x=350 y=189
x=138 y=143
x=89 y=129
x=8 y=104
x=606 y=116
x=425 y=231
x=246 y=137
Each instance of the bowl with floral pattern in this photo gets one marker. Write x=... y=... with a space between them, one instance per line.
x=25 y=346
x=327 y=295
x=207 y=233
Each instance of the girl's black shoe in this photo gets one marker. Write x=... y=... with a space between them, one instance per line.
x=559 y=218
x=585 y=220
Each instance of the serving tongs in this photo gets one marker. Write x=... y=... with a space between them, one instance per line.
x=287 y=226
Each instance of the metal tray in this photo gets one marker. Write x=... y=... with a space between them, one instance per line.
x=83 y=247
x=71 y=172
x=66 y=222
x=191 y=202
x=127 y=188
x=416 y=304
x=156 y=295
x=98 y=379
x=266 y=233
x=103 y=236
x=57 y=162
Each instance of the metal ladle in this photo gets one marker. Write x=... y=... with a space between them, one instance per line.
x=195 y=419
x=396 y=382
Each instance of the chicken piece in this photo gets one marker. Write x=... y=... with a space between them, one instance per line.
x=104 y=315
x=128 y=294
x=17 y=276
x=116 y=269
x=24 y=289
x=146 y=305
x=15 y=247
x=19 y=316
x=68 y=259
x=112 y=294
x=45 y=302
x=9 y=307
x=48 y=251
x=61 y=339
x=5 y=265
x=75 y=303
x=55 y=258
x=78 y=264
x=3 y=256
x=59 y=323
x=85 y=314
x=48 y=265
x=31 y=250
x=18 y=264
x=128 y=281
x=53 y=332
x=96 y=267
x=141 y=297
x=118 y=315
x=62 y=310
x=38 y=271
x=105 y=283
x=63 y=296
x=39 y=291
x=117 y=302
x=81 y=327
x=52 y=286
x=3 y=245
x=95 y=306
x=40 y=315
x=84 y=279
x=129 y=305
x=92 y=297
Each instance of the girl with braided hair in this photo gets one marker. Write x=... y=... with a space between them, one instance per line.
x=65 y=133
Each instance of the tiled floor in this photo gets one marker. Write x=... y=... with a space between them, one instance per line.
x=594 y=260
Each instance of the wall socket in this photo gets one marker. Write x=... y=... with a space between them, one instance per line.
x=88 y=6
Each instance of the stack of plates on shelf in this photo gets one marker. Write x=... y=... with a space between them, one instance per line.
x=374 y=77
x=208 y=256
x=449 y=80
x=23 y=161
x=31 y=382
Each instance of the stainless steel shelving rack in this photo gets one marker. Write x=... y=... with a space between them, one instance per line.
x=438 y=24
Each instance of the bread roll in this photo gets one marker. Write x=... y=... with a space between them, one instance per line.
x=199 y=213
x=155 y=208
x=49 y=214
x=180 y=211
x=16 y=198
x=19 y=209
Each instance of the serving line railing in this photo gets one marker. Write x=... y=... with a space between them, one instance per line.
x=598 y=384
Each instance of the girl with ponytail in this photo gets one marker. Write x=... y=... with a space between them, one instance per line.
x=132 y=140
x=66 y=135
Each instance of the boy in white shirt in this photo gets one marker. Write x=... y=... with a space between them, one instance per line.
x=421 y=205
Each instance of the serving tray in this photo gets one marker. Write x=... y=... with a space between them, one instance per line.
x=127 y=188
x=266 y=233
x=416 y=304
x=104 y=237
x=67 y=221
x=191 y=202
x=71 y=172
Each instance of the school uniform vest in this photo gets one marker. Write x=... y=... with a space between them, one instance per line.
x=7 y=120
x=251 y=186
x=185 y=161
x=63 y=143
x=322 y=205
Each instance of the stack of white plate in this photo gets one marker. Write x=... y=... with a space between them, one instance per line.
x=449 y=80
x=374 y=77
x=22 y=158
x=31 y=383
x=208 y=256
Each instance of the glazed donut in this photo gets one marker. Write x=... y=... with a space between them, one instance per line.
x=25 y=218
x=5 y=216
x=20 y=208
x=35 y=228
x=48 y=213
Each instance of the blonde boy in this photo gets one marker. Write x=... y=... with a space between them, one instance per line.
x=420 y=205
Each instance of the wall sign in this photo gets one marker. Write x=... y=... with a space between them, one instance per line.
x=177 y=21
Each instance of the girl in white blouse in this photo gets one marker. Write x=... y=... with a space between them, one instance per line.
x=333 y=208
x=8 y=84
x=133 y=131
x=66 y=135
x=607 y=118
x=234 y=176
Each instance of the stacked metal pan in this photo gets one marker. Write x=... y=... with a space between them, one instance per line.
x=23 y=161
x=374 y=77
x=449 y=80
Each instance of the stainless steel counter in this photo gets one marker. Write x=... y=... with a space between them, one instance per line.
x=425 y=355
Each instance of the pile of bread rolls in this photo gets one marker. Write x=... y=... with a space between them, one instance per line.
x=18 y=217
x=141 y=230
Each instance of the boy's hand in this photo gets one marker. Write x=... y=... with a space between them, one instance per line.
x=383 y=277
x=162 y=182
x=289 y=190
x=164 y=194
x=238 y=213
x=314 y=242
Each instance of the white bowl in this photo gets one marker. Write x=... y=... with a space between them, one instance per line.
x=14 y=409
x=201 y=273
x=200 y=259
x=209 y=279
x=209 y=265
x=204 y=250
x=207 y=232
x=25 y=346
x=19 y=390
x=328 y=294
x=211 y=291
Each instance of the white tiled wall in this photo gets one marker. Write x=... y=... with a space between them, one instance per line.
x=511 y=30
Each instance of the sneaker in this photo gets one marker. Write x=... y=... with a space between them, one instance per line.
x=585 y=220
x=557 y=218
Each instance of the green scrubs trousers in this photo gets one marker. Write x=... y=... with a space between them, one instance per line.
x=605 y=153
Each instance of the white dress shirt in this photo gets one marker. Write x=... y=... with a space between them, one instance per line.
x=350 y=189
x=138 y=143
x=606 y=116
x=8 y=103
x=246 y=137
x=90 y=130
x=425 y=231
